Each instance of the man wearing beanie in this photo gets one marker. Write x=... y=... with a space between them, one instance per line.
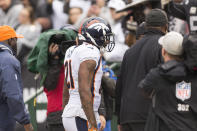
x=172 y=89
x=12 y=107
x=131 y=106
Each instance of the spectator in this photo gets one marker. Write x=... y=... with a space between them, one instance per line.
x=172 y=89
x=84 y=4
x=12 y=107
x=104 y=11
x=59 y=18
x=9 y=12
x=74 y=14
x=26 y=3
x=117 y=54
x=91 y=10
x=43 y=11
x=30 y=29
x=97 y=8
x=131 y=107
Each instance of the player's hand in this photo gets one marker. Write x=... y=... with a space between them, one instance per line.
x=164 y=2
x=103 y=123
x=28 y=127
x=93 y=129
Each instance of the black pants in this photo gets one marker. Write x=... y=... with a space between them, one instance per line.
x=54 y=121
x=58 y=127
x=133 y=127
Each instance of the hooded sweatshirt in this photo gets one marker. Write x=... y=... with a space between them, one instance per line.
x=174 y=101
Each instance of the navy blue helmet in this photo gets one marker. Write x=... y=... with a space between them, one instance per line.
x=98 y=32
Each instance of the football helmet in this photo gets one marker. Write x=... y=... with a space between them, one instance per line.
x=97 y=31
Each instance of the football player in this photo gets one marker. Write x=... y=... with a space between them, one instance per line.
x=83 y=73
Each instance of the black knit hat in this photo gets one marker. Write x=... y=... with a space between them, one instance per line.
x=156 y=17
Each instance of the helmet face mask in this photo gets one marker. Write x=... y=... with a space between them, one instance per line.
x=98 y=32
x=109 y=42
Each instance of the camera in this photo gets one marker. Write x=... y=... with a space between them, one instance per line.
x=63 y=44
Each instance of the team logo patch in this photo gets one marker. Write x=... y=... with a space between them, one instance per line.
x=183 y=90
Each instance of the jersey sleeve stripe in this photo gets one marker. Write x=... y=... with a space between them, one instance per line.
x=71 y=77
x=93 y=83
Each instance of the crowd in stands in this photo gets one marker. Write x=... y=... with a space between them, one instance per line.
x=31 y=17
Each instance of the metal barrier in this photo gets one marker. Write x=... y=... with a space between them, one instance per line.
x=33 y=106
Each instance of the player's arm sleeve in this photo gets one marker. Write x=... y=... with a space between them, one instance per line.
x=176 y=10
x=12 y=92
x=148 y=84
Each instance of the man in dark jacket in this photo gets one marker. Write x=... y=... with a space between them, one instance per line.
x=131 y=106
x=173 y=90
x=12 y=107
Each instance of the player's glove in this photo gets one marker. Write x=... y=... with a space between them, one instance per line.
x=164 y=2
x=92 y=129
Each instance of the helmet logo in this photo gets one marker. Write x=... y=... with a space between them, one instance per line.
x=99 y=26
x=92 y=22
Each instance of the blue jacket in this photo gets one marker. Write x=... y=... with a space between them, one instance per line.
x=12 y=107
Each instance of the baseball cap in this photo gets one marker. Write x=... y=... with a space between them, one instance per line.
x=156 y=17
x=116 y=4
x=7 y=32
x=172 y=43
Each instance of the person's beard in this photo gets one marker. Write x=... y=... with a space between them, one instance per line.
x=14 y=49
x=12 y=43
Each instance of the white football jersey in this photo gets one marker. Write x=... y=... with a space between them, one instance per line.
x=75 y=55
